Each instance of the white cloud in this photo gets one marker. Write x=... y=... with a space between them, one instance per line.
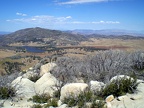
x=46 y=20
x=43 y=19
x=106 y=22
x=82 y=1
x=21 y=14
x=69 y=17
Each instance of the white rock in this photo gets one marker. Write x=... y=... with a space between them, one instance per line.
x=119 y=77
x=63 y=106
x=72 y=89
x=46 y=68
x=24 y=87
x=46 y=84
x=59 y=103
x=96 y=86
x=120 y=98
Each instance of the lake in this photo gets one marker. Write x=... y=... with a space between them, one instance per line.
x=33 y=49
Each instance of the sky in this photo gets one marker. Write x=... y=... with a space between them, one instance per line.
x=72 y=14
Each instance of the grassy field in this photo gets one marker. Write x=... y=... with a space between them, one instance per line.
x=129 y=44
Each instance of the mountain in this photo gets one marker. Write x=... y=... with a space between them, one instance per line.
x=43 y=36
x=107 y=32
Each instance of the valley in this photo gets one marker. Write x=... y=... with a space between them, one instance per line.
x=30 y=45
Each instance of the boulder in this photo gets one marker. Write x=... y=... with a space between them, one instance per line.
x=46 y=68
x=24 y=87
x=72 y=89
x=96 y=86
x=119 y=77
x=46 y=84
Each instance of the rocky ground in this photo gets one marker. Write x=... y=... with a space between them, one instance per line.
x=47 y=83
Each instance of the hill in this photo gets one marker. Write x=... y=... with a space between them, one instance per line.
x=108 y=32
x=42 y=36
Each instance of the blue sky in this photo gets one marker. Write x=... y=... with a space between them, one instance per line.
x=72 y=14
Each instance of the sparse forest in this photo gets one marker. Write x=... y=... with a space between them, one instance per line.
x=102 y=66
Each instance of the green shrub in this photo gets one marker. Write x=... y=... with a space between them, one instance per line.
x=7 y=92
x=41 y=98
x=34 y=78
x=36 y=106
x=99 y=104
x=57 y=94
x=119 y=87
x=80 y=100
x=52 y=102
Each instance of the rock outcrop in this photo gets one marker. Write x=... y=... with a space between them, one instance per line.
x=24 y=87
x=96 y=86
x=46 y=68
x=46 y=84
x=72 y=89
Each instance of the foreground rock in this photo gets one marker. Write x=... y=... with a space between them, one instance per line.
x=72 y=89
x=46 y=68
x=46 y=84
x=24 y=87
x=96 y=86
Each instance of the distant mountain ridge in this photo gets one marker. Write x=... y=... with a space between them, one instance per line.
x=107 y=32
x=41 y=35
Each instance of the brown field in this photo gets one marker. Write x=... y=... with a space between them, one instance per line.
x=129 y=44
x=6 y=53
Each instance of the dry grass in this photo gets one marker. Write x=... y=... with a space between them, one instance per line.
x=129 y=44
x=7 y=53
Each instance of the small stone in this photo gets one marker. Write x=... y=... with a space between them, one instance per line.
x=120 y=98
x=59 y=103
x=109 y=98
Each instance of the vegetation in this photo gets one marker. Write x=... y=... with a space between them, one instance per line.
x=7 y=92
x=98 y=104
x=11 y=67
x=36 y=106
x=41 y=98
x=44 y=98
x=51 y=102
x=119 y=87
x=34 y=78
x=82 y=99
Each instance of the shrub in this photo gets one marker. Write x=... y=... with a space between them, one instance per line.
x=34 y=78
x=80 y=100
x=52 y=102
x=7 y=92
x=120 y=87
x=57 y=94
x=36 y=106
x=41 y=98
x=99 y=104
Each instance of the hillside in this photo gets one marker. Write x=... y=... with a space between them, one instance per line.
x=107 y=32
x=42 y=36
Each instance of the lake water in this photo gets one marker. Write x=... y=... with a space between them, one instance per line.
x=33 y=49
